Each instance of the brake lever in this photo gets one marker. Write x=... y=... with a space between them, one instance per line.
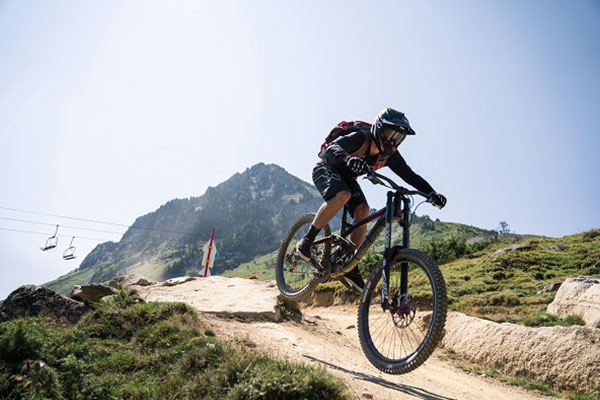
x=374 y=180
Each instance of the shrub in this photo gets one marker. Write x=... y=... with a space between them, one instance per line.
x=591 y=235
x=368 y=263
x=544 y=319
x=570 y=320
x=446 y=250
x=21 y=339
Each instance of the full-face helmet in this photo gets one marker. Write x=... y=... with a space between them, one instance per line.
x=389 y=130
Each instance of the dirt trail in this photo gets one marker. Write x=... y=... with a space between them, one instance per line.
x=328 y=337
x=325 y=336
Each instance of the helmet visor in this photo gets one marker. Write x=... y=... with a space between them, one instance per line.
x=394 y=136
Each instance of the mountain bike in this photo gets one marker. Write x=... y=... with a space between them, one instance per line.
x=402 y=309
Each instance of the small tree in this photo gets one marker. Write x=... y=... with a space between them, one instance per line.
x=503 y=228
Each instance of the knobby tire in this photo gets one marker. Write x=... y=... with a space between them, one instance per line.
x=286 y=247
x=435 y=330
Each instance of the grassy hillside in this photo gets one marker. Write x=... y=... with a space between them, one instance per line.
x=65 y=283
x=501 y=288
x=504 y=288
x=145 y=351
x=151 y=267
x=423 y=231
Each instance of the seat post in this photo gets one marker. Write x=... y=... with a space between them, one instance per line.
x=345 y=223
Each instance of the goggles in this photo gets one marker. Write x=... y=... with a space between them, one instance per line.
x=394 y=136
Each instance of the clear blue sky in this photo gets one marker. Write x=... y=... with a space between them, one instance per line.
x=109 y=109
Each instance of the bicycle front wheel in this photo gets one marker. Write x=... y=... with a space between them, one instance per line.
x=297 y=279
x=398 y=340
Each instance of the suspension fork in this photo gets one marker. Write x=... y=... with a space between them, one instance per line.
x=385 y=284
x=394 y=205
x=405 y=243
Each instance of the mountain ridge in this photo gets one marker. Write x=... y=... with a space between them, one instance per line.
x=250 y=211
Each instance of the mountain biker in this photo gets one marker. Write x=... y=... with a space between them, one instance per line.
x=373 y=146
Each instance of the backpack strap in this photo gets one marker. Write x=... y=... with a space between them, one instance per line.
x=380 y=163
x=364 y=148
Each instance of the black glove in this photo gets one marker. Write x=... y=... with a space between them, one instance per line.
x=437 y=199
x=357 y=165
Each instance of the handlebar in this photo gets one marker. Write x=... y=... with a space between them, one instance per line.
x=378 y=179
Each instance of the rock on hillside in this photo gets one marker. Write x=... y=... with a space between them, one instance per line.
x=38 y=301
x=578 y=296
x=231 y=297
x=567 y=358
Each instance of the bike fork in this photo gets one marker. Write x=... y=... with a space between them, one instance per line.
x=385 y=284
x=405 y=244
x=394 y=204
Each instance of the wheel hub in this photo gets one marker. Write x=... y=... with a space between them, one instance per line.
x=403 y=309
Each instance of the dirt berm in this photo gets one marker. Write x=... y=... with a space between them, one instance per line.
x=567 y=358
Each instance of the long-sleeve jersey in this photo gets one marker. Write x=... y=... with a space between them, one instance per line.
x=343 y=146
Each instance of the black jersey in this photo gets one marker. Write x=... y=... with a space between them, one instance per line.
x=343 y=146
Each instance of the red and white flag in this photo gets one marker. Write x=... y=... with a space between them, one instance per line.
x=210 y=253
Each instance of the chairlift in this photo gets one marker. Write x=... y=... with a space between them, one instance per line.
x=51 y=242
x=69 y=253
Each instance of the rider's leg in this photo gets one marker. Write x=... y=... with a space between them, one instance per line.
x=360 y=212
x=328 y=210
x=325 y=214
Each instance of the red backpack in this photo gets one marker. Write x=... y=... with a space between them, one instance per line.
x=344 y=128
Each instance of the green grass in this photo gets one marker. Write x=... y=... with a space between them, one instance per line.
x=521 y=381
x=504 y=289
x=263 y=267
x=123 y=349
x=578 y=396
x=541 y=318
x=530 y=384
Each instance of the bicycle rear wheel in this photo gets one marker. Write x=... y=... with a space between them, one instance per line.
x=398 y=341
x=296 y=279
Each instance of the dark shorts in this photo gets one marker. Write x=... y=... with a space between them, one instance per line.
x=329 y=182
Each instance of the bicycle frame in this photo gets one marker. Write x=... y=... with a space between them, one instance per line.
x=397 y=209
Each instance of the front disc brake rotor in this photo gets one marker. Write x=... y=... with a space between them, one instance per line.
x=403 y=310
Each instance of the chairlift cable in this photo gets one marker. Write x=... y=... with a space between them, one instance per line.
x=46 y=234
x=99 y=222
x=63 y=226
x=70 y=227
x=64 y=216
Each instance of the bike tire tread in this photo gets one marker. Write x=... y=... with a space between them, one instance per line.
x=438 y=319
x=308 y=289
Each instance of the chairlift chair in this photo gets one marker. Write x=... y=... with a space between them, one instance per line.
x=51 y=242
x=69 y=253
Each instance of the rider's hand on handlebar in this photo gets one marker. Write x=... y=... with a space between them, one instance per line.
x=357 y=165
x=437 y=199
